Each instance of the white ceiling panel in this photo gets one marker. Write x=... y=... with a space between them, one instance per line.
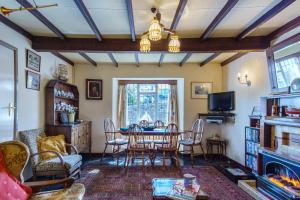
x=100 y=57
x=66 y=17
x=222 y=57
x=143 y=15
x=149 y=57
x=124 y=57
x=241 y=16
x=198 y=57
x=26 y=20
x=288 y=14
x=75 y=57
x=173 y=57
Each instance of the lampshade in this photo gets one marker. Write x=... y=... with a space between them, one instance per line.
x=145 y=45
x=155 y=30
x=174 y=44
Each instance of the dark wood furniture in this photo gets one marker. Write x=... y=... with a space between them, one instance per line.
x=78 y=133
x=219 y=143
x=252 y=142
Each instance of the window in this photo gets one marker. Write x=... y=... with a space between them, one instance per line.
x=147 y=101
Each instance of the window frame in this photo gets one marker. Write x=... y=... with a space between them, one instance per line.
x=271 y=63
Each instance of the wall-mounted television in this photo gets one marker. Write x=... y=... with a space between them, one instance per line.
x=222 y=101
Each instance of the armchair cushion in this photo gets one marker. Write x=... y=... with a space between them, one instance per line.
x=53 y=143
x=54 y=164
x=75 y=192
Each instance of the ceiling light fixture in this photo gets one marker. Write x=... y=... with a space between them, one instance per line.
x=155 y=34
x=6 y=11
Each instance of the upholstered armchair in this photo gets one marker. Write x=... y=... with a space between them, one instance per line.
x=16 y=157
x=61 y=165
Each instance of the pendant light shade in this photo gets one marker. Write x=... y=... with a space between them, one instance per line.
x=174 y=44
x=155 y=30
x=145 y=45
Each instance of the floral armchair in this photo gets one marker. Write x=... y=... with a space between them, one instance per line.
x=16 y=156
x=61 y=165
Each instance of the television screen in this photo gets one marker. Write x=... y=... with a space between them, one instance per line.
x=223 y=101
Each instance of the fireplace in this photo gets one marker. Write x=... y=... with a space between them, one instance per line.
x=280 y=172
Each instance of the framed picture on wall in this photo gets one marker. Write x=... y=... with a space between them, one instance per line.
x=32 y=80
x=200 y=90
x=33 y=61
x=94 y=89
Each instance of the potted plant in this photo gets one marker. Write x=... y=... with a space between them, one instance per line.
x=71 y=114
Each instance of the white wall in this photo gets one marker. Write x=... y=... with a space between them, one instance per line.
x=97 y=111
x=31 y=103
x=246 y=97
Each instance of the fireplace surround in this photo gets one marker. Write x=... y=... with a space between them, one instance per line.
x=279 y=175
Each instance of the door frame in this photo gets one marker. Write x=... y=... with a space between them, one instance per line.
x=15 y=50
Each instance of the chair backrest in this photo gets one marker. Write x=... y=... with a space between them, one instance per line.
x=171 y=136
x=16 y=156
x=144 y=123
x=136 y=136
x=109 y=129
x=198 y=129
x=159 y=124
x=29 y=138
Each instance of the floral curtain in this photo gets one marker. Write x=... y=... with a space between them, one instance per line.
x=122 y=94
x=173 y=105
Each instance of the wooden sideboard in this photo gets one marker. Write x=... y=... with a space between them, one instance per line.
x=78 y=135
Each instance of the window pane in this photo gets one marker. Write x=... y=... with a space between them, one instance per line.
x=132 y=104
x=286 y=71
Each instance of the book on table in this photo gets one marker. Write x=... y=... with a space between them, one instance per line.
x=180 y=192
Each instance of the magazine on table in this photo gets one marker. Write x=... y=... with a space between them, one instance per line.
x=180 y=192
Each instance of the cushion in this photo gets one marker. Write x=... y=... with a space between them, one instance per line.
x=54 y=164
x=75 y=192
x=11 y=188
x=117 y=142
x=189 y=142
x=54 y=143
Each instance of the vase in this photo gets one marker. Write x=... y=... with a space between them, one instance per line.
x=71 y=117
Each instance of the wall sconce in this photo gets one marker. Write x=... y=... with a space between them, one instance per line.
x=244 y=79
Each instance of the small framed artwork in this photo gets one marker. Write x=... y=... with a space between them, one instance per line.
x=32 y=80
x=200 y=90
x=33 y=61
x=94 y=89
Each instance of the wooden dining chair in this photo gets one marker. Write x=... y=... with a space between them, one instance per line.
x=159 y=124
x=144 y=123
x=169 y=144
x=112 y=138
x=137 y=144
x=193 y=138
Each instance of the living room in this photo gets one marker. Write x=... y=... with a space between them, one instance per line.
x=209 y=88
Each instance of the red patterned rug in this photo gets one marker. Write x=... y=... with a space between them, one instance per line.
x=111 y=183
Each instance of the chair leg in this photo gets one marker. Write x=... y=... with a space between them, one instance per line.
x=203 y=151
x=164 y=159
x=192 y=154
x=103 y=154
x=129 y=157
x=118 y=155
x=177 y=159
x=143 y=161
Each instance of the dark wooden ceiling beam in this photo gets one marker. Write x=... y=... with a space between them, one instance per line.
x=113 y=60
x=233 y=58
x=15 y=27
x=88 y=58
x=42 y=18
x=185 y=59
x=285 y=28
x=161 y=59
x=63 y=58
x=265 y=17
x=137 y=61
x=131 y=19
x=47 y=44
x=84 y=11
x=222 y=14
x=210 y=58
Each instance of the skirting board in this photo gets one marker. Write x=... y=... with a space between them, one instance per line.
x=249 y=186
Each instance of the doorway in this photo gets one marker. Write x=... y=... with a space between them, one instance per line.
x=8 y=91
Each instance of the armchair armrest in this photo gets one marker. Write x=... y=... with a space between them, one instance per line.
x=62 y=162
x=36 y=186
x=72 y=147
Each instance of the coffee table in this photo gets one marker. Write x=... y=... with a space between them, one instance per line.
x=161 y=187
